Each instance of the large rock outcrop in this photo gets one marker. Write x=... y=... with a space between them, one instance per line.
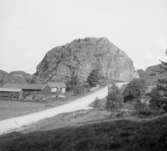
x=81 y=56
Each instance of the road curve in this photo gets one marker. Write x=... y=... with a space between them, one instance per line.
x=12 y=124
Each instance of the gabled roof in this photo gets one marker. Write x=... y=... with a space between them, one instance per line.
x=56 y=84
x=25 y=86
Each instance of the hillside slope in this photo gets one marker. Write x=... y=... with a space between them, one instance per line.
x=20 y=77
x=120 y=135
x=152 y=74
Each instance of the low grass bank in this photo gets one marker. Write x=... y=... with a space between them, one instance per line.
x=121 y=135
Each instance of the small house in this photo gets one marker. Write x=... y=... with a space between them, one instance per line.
x=57 y=87
x=120 y=83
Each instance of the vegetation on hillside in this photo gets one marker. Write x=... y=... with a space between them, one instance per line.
x=114 y=99
x=93 y=78
x=134 y=90
x=122 y=135
x=159 y=94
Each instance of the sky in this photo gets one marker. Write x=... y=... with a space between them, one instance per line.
x=30 y=28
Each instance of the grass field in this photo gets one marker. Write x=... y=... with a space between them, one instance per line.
x=77 y=118
x=10 y=109
x=121 y=135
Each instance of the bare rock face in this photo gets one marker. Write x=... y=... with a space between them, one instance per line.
x=17 y=77
x=82 y=56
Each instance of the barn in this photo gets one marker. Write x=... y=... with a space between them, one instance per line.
x=11 y=93
x=26 y=88
x=21 y=91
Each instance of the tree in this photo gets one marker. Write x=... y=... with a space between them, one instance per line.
x=114 y=99
x=72 y=82
x=164 y=63
x=134 y=90
x=159 y=94
x=93 y=78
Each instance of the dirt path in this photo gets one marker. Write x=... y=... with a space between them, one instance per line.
x=12 y=124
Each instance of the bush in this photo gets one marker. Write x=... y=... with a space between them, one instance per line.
x=158 y=101
x=72 y=83
x=93 y=78
x=114 y=99
x=99 y=104
x=142 y=109
x=134 y=90
x=80 y=89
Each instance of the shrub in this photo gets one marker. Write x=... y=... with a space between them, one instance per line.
x=114 y=99
x=135 y=89
x=93 y=78
x=72 y=83
x=142 y=109
x=158 y=101
x=99 y=104
x=80 y=89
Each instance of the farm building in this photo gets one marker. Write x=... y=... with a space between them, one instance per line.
x=57 y=87
x=26 y=88
x=21 y=91
x=11 y=93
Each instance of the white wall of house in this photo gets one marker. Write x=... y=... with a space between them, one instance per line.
x=63 y=90
x=120 y=84
x=54 y=89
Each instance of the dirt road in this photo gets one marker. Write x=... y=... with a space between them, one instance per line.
x=12 y=124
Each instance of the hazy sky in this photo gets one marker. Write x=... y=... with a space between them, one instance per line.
x=29 y=28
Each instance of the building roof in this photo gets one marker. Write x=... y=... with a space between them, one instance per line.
x=25 y=86
x=56 y=84
x=9 y=89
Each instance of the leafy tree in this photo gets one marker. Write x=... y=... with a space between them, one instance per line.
x=72 y=83
x=114 y=99
x=142 y=109
x=156 y=100
x=93 y=78
x=134 y=90
x=164 y=64
x=159 y=94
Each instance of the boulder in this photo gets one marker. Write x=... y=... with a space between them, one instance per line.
x=80 y=57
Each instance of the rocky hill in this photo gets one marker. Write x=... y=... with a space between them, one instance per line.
x=2 y=76
x=81 y=57
x=15 y=77
x=152 y=74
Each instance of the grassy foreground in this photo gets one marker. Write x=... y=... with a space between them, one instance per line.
x=122 y=135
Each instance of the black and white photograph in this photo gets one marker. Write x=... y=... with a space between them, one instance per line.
x=83 y=75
